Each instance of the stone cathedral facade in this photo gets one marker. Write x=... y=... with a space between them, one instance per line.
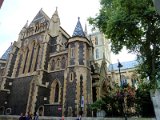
x=50 y=72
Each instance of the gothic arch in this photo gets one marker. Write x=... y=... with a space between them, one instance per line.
x=2 y=110
x=41 y=110
x=55 y=92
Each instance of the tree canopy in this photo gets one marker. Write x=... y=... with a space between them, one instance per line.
x=135 y=25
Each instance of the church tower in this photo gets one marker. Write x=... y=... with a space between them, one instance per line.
x=77 y=86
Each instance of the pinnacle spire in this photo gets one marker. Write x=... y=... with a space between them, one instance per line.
x=78 y=31
x=26 y=25
x=86 y=32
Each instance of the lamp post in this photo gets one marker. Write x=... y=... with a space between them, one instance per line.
x=119 y=66
x=124 y=95
x=81 y=78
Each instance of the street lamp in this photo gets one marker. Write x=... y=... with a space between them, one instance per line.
x=124 y=94
x=81 y=112
x=119 y=66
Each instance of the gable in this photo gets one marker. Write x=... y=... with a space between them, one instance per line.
x=41 y=17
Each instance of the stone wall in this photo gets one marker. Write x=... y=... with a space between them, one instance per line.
x=9 y=117
x=156 y=103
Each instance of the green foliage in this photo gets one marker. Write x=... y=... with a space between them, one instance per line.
x=144 y=106
x=135 y=25
x=97 y=105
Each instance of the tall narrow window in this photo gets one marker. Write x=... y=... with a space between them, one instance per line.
x=56 y=95
x=71 y=77
x=52 y=64
x=96 y=40
x=58 y=63
x=26 y=57
x=63 y=61
x=97 y=53
x=72 y=52
x=31 y=59
x=35 y=66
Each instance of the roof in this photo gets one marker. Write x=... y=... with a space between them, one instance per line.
x=78 y=31
x=125 y=65
x=6 y=54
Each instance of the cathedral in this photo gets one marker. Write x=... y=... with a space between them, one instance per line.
x=50 y=72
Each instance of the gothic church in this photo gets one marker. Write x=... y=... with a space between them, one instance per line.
x=50 y=72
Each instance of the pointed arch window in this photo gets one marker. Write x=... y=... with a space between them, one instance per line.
x=26 y=57
x=55 y=92
x=35 y=67
x=63 y=62
x=31 y=59
x=56 y=95
x=58 y=63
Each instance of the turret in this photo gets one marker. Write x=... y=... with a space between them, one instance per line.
x=78 y=70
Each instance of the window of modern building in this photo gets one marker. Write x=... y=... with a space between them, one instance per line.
x=123 y=81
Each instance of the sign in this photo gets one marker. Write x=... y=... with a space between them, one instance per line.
x=82 y=101
x=59 y=108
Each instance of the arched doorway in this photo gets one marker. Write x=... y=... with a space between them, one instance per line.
x=55 y=92
x=2 y=109
x=41 y=110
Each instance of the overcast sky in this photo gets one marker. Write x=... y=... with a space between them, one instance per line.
x=15 y=13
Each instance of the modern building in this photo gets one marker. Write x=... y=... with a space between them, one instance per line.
x=50 y=72
x=125 y=73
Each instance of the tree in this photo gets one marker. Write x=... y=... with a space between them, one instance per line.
x=135 y=25
x=144 y=106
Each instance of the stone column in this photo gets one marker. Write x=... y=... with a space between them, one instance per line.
x=16 y=64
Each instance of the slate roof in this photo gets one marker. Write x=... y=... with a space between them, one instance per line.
x=6 y=54
x=126 y=65
x=78 y=31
